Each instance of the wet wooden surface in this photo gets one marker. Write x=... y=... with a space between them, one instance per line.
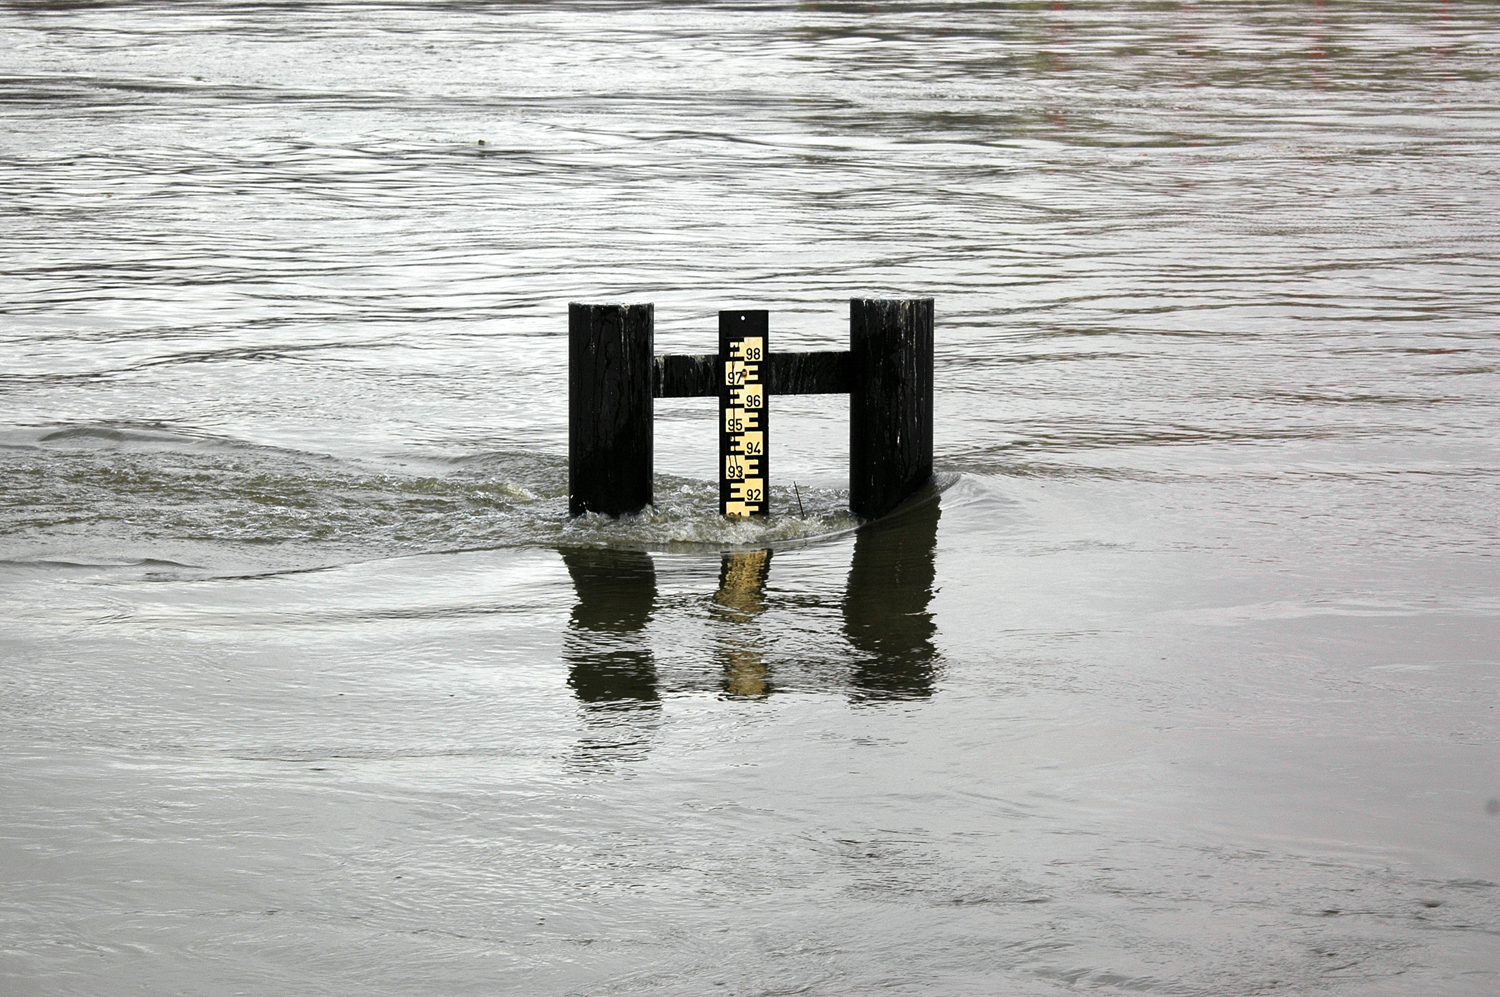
x=820 y=372
x=890 y=402
x=610 y=426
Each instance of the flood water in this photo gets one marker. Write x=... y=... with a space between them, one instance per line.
x=1181 y=678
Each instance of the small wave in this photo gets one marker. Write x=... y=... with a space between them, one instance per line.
x=142 y=436
x=685 y=517
x=186 y=500
x=157 y=490
x=110 y=434
x=44 y=564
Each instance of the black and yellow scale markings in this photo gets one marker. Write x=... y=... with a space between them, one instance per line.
x=744 y=431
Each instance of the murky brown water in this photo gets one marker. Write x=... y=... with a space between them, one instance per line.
x=1182 y=679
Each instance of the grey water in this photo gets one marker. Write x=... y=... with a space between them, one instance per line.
x=1180 y=679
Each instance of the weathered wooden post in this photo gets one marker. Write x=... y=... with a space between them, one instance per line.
x=890 y=402
x=610 y=364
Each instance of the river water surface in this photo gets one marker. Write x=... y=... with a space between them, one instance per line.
x=1181 y=679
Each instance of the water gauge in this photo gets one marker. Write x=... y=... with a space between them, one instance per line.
x=744 y=415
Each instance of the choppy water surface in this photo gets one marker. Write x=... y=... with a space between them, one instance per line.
x=1181 y=680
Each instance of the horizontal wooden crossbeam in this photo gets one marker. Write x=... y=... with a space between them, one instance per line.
x=824 y=372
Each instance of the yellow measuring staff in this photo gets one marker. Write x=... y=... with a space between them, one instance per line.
x=744 y=428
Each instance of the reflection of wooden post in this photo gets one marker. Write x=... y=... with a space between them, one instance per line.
x=887 y=604
x=608 y=658
x=890 y=402
x=610 y=366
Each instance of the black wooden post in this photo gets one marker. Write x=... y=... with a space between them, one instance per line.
x=890 y=402
x=610 y=365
